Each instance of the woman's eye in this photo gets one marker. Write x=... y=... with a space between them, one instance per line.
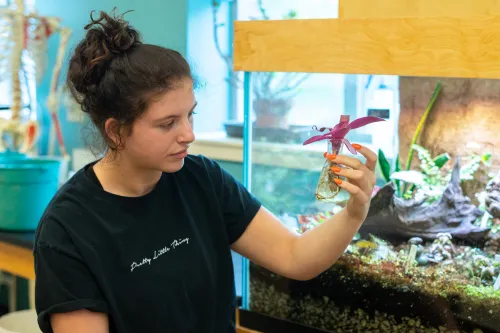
x=167 y=126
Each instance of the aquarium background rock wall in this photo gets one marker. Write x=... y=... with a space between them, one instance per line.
x=465 y=118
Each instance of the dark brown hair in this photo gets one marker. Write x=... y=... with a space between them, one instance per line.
x=112 y=74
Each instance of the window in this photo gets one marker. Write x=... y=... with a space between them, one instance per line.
x=27 y=74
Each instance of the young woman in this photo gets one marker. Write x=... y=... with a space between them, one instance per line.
x=140 y=240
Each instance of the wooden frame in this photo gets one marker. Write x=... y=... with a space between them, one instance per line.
x=417 y=8
x=430 y=46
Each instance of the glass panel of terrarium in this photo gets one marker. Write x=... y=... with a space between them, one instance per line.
x=428 y=254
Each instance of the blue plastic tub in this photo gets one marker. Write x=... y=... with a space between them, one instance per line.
x=27 y=184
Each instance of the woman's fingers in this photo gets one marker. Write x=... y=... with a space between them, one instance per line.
x=371 y=157
x=352 y=174
x=357 y=171
x=351 y=162
x=362 y=179
x=356 y=193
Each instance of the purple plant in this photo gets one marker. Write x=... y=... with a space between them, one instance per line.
x=337 y=134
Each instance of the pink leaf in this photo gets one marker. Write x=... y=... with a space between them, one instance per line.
x=316 y=138
x=363 y=121
x=342 y=124
x=340 y=133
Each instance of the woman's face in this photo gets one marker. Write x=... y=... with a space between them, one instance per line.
x=160 y=137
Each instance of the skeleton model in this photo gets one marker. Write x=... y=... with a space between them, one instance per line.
x=20 y=33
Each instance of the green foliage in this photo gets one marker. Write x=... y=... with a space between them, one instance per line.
x=482 y=293
x=441 y=160
x=433 y=180
x=420 y=127
x=421 y=123
x=410 y=177
x=385 y=167
x=468 y=170
x=397 y=168
x=386 y=170
x=429 y=181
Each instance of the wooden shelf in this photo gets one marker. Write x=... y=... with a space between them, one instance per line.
x=17 y=260
x=443 y=47
x=417 y=8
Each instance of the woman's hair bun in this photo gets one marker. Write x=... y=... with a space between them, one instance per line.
x=115 y=32
x=106 y=39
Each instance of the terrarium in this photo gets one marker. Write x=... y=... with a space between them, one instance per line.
x=427 y=258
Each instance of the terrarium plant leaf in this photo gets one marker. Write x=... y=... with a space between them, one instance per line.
x=441 y=160
x=397 y=168
x=385 y=167
x=421 y=124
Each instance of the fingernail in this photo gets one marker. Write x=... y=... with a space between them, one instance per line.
x=331 y=156
x=356 y=146
x=325 y=154
x=337 y=181
x=335 y=168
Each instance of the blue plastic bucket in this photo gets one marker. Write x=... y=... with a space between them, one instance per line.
x=27 y=185
x=9 y=156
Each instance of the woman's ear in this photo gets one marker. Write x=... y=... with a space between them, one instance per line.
x=113 y=129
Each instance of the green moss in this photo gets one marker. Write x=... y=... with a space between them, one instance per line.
x=445 y=282
x=483 y=293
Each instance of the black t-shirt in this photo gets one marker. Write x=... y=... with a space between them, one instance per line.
x=157 y=263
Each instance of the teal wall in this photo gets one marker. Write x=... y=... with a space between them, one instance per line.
x=160 y=22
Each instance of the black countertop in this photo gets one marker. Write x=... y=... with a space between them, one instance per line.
x=23 y=239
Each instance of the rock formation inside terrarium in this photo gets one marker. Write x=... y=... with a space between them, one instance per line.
x=453 y=213
x=493 y=196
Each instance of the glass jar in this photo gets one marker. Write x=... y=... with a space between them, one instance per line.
x=327 y=189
